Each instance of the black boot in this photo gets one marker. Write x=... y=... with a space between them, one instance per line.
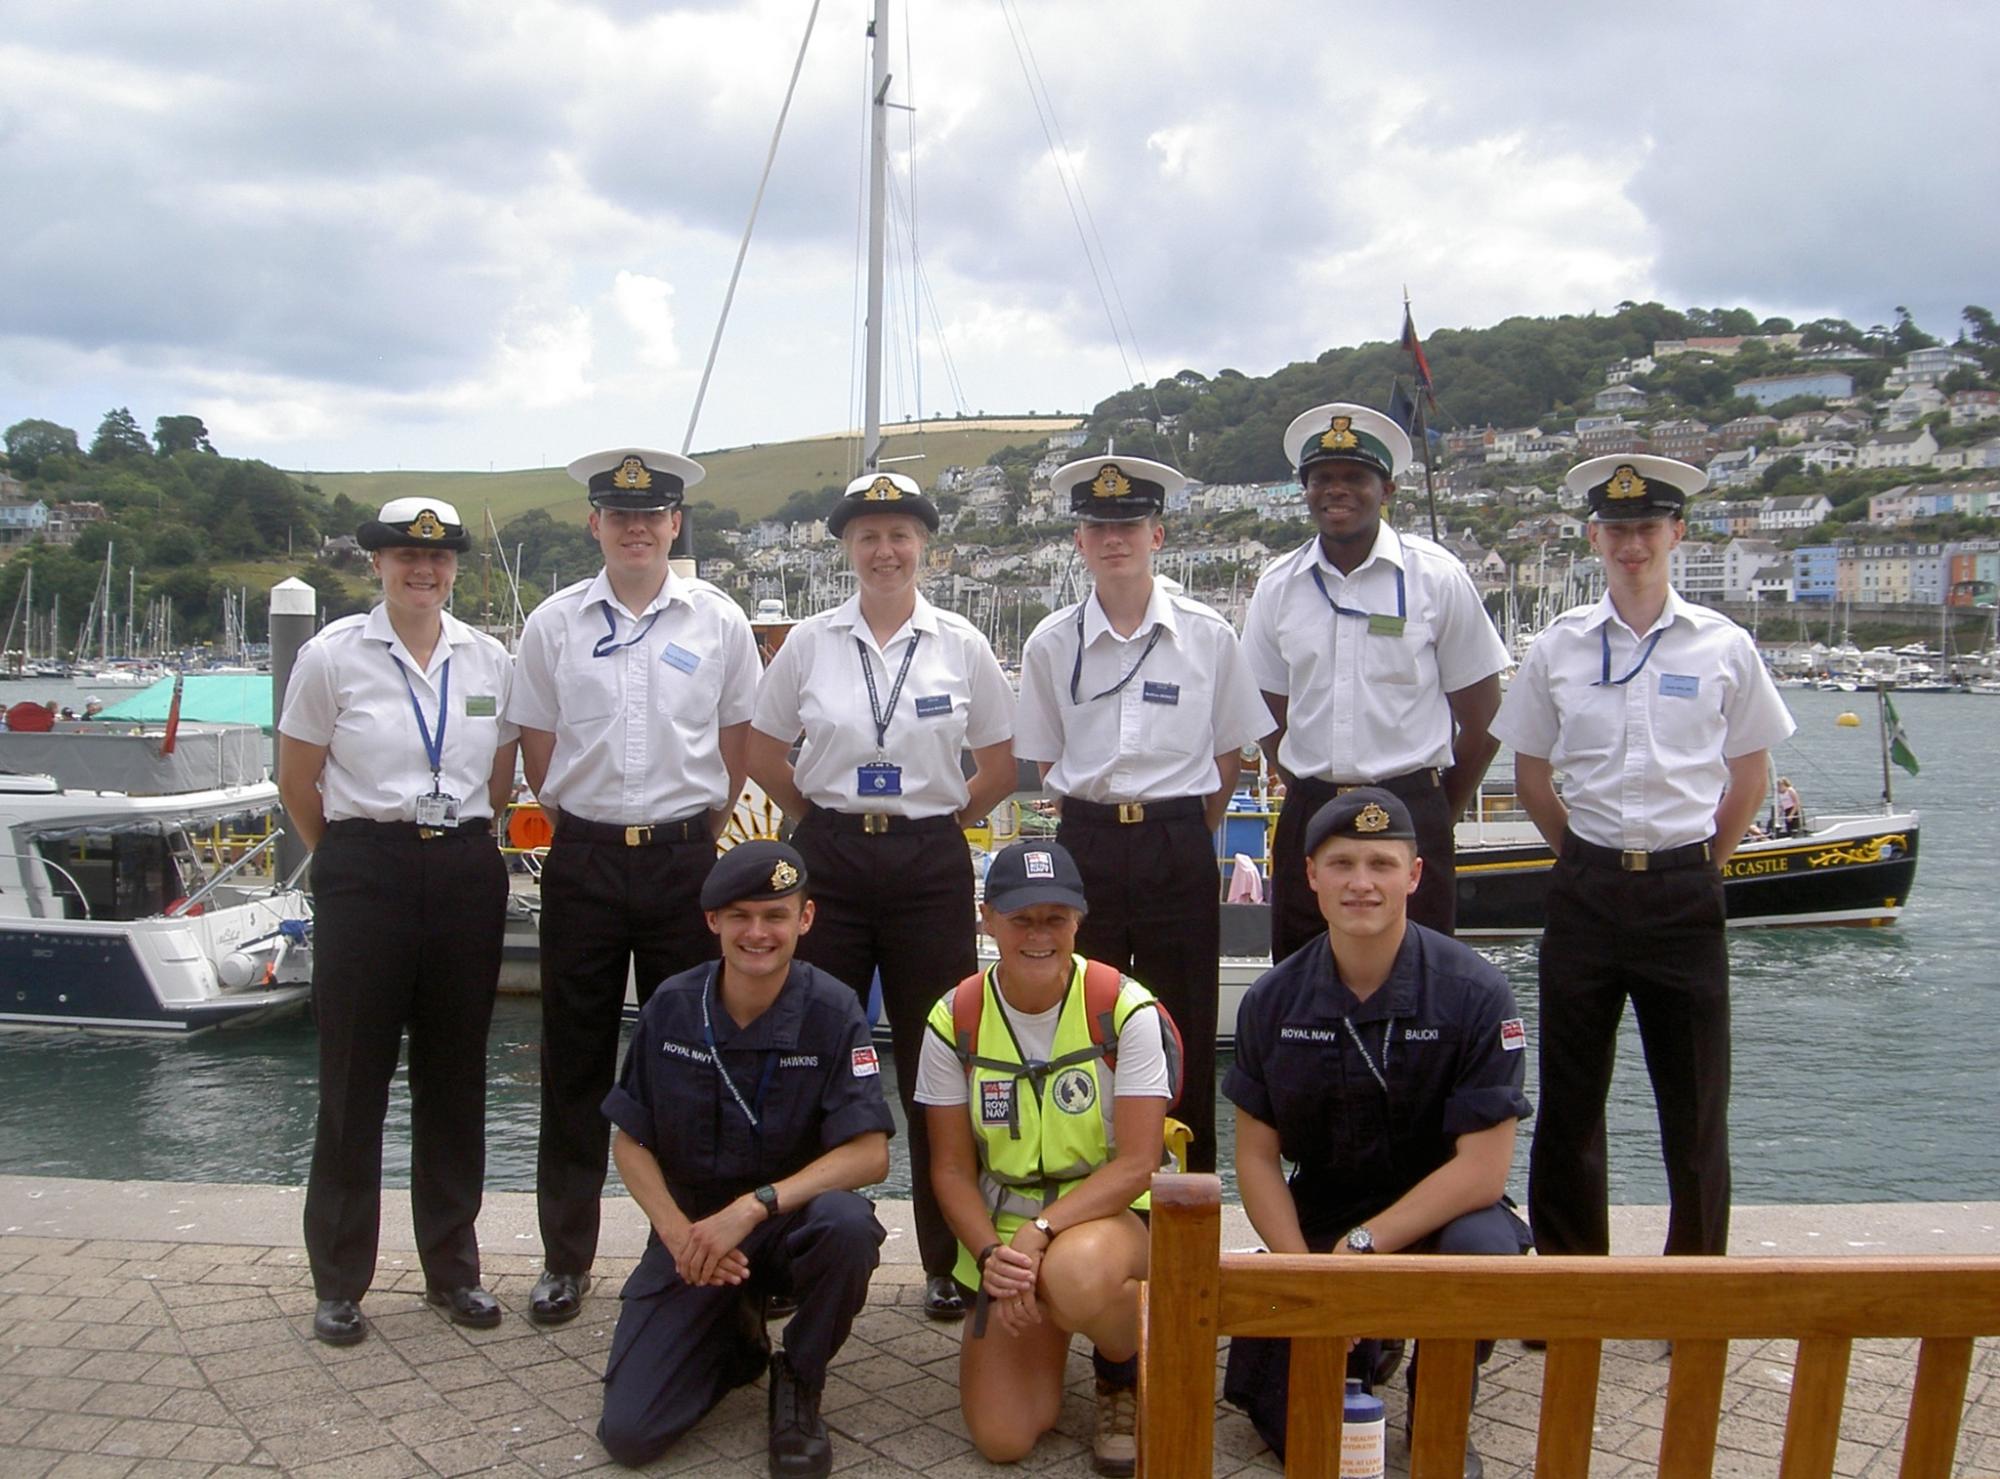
x=800 y=1448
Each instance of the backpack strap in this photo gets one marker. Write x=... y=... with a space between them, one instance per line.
x=968 y=1005
x=1101 y=985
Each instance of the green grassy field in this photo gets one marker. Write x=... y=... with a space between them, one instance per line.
x=752 y=480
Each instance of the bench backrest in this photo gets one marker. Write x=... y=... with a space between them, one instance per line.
x=1196 y=1294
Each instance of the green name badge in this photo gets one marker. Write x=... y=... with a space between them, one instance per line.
x=480 y=706
x=1385 y=626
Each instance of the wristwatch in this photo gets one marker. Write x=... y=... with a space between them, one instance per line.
x=768 y=1195
x=1042 y=1227
x=1360 y=1240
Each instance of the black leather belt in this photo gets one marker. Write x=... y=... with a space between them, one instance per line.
x=1410 y=784
x=1692 y=855
x=408 y=831
x=878 y=823
x=1128 y=813
x=646 y=834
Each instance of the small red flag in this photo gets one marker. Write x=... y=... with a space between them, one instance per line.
x=1422 y=366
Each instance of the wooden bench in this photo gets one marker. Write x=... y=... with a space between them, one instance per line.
x=1196 y=1294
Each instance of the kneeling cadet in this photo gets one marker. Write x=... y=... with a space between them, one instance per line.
x=748 y=1115
x=1047 y=1081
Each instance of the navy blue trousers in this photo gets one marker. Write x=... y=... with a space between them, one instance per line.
x=679 y=1350
x=1258 y=1378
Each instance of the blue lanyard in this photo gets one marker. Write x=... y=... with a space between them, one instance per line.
x=1607 y=681
x=875 y=708
x=1076 y=672
x=1402 y=611
x=433 y=748
x=715 y=1057
x=609 y=643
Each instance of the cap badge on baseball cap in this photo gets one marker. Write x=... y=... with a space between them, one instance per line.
x=1038 y=865
x=1371 y=818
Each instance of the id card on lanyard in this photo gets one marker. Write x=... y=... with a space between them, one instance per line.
x=879 y=777
x=1379 y=625
x=439 y=808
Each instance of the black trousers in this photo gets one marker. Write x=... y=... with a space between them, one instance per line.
x=1295 y=916
x=1258 y=1376
x=1658 y=939
x=900 y=903
x=678 y=1350
x=606 y=908
x=1155 y=913
x=406 y=936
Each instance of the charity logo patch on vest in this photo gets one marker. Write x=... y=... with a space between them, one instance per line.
x=996 y=1101
x=1074 y=1090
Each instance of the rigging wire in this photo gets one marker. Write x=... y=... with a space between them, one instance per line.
x=856 y=330
x=743 y=247
x=910 y=144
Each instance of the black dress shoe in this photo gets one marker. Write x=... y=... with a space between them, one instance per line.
x=557 y=1298
x=339 y=1322
x=943 y=1299
x=470 y=1305
x=800 y=1448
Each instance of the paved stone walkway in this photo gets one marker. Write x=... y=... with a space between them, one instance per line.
x=161 y=1356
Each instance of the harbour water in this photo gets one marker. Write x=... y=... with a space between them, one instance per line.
x=1866 y=1061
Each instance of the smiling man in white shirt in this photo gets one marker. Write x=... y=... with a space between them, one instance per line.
x=633 y=691
x=1660 y=715
x=1377 y=660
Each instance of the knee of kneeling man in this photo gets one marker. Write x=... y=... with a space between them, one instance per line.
x=628 y=1442
x=848 y=1218
x=1482 y=1232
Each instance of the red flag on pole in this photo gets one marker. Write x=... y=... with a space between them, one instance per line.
x=1420 y=366
x=173 y=718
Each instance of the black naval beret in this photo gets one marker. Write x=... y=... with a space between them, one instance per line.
x=1367 y=812
x=754 y=871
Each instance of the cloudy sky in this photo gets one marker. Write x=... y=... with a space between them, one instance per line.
x=462 y=233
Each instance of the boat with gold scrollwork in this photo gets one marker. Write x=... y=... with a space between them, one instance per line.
x=1843 y=870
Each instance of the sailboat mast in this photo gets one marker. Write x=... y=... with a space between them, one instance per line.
x=878 y=180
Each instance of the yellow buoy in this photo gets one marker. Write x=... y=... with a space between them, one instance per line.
x=1849 y=720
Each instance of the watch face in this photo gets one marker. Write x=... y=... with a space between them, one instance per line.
x=1361 y=1240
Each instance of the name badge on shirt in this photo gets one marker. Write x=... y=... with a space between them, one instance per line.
x=1679 y=685
x=480 y=706
x=1161 y=693
x=933 y=706
x=437 y=810
x=1385 y=626
x=677 y=656
x=878 y=778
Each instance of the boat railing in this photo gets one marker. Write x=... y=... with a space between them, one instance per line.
x=185 y=905
x=82 y=899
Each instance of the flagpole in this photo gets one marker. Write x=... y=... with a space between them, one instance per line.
x=1882 y=730
x=1420 y=372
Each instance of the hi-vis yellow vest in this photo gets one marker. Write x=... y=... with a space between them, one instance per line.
x=1041 y=1127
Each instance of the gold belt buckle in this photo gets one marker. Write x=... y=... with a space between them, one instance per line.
x=638 y=836
x=1343 y=790
x=1131 y=811
x=874 y=822
x=425 y=834
x=1633 y=862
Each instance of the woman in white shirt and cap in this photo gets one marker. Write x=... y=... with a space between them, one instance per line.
x=393 y=762
x=888 y=691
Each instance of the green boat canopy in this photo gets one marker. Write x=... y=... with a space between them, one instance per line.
x=210 y=698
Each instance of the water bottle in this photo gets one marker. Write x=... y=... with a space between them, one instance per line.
x=1364 y=1441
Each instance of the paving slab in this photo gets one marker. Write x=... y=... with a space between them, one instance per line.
x=148 y=1328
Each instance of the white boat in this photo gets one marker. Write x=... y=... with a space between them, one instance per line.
x=140 y=909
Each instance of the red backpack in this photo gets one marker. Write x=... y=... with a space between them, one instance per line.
x=1101 y=984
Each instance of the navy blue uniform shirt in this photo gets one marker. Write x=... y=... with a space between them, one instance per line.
x=1455 y=1064
x=806 y=1069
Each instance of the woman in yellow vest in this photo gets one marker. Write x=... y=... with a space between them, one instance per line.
x=1045 y=1131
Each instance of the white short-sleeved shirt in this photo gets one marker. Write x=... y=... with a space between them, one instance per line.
x=636 y=729
x=1366 y=706
x=1142 y=1058
x=954 y=698
x=1645 y=760
x=347 y=692
x=1189 y=700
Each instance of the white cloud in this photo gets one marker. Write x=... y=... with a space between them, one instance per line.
x=646 y=305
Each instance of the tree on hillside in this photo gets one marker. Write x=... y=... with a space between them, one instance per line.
x=173 y=434
x=1906 y=335
x=118 y=435
x=31 y=443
